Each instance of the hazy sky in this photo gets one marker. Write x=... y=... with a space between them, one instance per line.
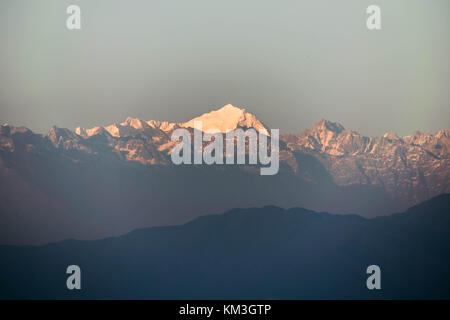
x=288 y=62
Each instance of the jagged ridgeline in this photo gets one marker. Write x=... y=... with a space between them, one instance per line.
x=103 y=181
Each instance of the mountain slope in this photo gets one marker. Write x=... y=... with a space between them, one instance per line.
x=105 y=181
x=411 y=169
x=259 y=253
x=227 y=118
x=222 y=120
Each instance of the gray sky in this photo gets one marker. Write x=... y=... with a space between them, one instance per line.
x=288 y=62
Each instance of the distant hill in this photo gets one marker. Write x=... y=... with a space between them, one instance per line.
x=257 y=253
x=106 y=181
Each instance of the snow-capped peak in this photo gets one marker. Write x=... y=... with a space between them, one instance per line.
x=326 y=125
x=222 y=120
x=391 y=135
x=225 y=119
x=135 y=123
x=162 y=125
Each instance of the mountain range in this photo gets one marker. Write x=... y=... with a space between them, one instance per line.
x=254 y=253
x=105 y=181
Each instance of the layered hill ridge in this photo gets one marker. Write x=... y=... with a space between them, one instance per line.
x=254 y=253
x=398 y=164
x=126 y=167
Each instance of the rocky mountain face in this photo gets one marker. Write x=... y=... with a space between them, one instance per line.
x=91 y=183
x=413 y=168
